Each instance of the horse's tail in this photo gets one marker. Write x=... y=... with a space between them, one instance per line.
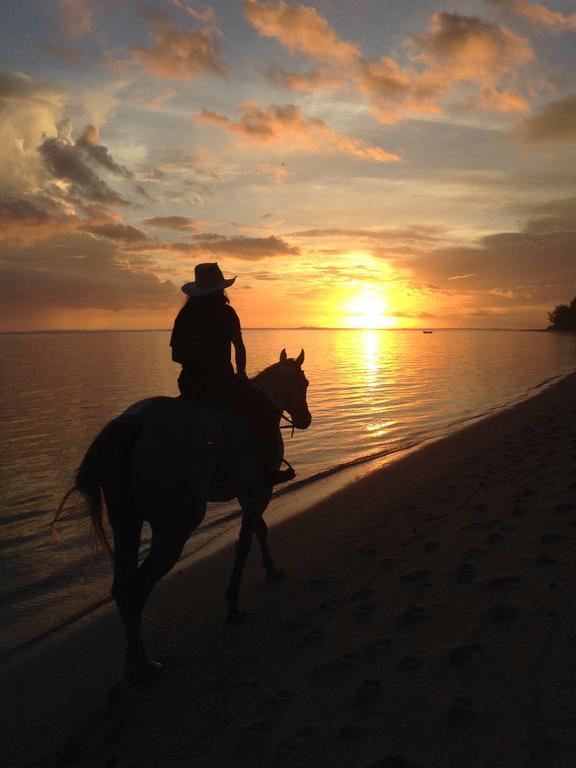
x=105 y=458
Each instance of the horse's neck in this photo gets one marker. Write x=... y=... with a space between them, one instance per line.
x=275 y=387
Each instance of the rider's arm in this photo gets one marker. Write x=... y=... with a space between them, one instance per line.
x=240 y=353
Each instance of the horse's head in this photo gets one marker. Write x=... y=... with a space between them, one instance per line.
x=297 y=385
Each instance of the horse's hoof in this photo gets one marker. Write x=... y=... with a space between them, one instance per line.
x=276 y=575
x=139 y=675
x=237 y=617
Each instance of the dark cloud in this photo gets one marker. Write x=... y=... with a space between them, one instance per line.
x=513 y=265
x=171 y=222
x=124 y=233
x=66 y=161
x=18 y=210
x=556 y=121
x=279 y=123
x=421 y=233
x=553 y=216
x=537 y=14
x=88 y=144
x=178 y=54
x=65 y=53
x=76 y=271
x=15 y=85
x=248 y=248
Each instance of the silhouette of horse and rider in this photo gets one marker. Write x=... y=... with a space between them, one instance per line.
x=165 y=458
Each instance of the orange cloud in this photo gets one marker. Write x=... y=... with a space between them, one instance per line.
x=276 y=123
x=78 y=17
x=538 y=15
x=171 y=222
x=278 y=172
x=471 y=49
x=300 y=29
x=178 y=54
x=556 y=121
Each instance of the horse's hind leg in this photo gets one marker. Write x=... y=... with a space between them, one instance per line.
x=253 y=505
x=261 y=530
x=127 y=529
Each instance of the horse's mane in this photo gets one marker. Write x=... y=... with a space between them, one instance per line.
x=265 y=372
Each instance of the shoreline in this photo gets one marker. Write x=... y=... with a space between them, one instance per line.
x=328 y=481
x=62 y=683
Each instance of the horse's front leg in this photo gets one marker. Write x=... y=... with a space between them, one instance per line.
x=253 y=504
x=272 y=572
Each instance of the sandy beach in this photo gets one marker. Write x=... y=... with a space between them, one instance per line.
x=427 y=621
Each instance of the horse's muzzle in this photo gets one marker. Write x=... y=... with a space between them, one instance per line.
x=302 y=421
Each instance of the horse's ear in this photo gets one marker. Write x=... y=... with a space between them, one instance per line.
x=300 y=358
x=283 y=356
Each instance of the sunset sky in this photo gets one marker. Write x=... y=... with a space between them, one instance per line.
x=354 y=162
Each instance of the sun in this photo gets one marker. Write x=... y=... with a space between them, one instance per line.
x=368 y=310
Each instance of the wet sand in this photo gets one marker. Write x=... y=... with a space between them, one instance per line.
x=427 y=621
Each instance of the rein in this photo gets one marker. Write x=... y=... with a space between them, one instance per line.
x=290 y=424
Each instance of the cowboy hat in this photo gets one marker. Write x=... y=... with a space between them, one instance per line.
x=209 y=279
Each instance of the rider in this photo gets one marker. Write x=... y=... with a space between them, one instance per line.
x=204 y=331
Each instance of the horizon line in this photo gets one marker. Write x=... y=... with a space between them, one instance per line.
x=265 y=328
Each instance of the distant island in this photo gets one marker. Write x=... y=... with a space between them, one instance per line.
x=563 y=317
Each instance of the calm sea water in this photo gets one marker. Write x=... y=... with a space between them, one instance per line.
x=371 y=392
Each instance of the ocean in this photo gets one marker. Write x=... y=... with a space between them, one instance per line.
x=372 y=393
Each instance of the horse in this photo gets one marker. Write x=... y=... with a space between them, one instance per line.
x=161 y=461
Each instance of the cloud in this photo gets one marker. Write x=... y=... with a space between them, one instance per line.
x=171 y=222
x=178 y=54
x=88 y=144
x=455 y=50
x=527 y=264
x=278 y=172
x=310 y=80
x=67 y=163
x=472 y=49
x=279 y=123
x=553 y=216
x=556 y=121
x=75 y=271
x=537 y=14
x=77 y=17
x=300 y=29
x=65 y=53
x=424 y=234
x=124 y=233
x=245 y=248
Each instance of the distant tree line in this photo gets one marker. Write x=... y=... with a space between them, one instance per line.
x=563 y=317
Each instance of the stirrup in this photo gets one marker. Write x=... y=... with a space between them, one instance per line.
x=282 y=475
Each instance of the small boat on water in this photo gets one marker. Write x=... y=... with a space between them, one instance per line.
x=427 y=331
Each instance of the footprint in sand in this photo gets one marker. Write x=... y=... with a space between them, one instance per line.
x=461 y=712
x=430 y=546
x=377 y=647
x=413 y=615
x=287 y=746
x=338 y=664
x=550 y=538
x=274 y=700
x=351 y=731
x=391 y=761
x=364 y=611
x=504 y=613
x=499 y=582
x=312 y=637
x=412 y=662
x=414 y=576
x=464 y=654
x=466 y=573
x=369 y=692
